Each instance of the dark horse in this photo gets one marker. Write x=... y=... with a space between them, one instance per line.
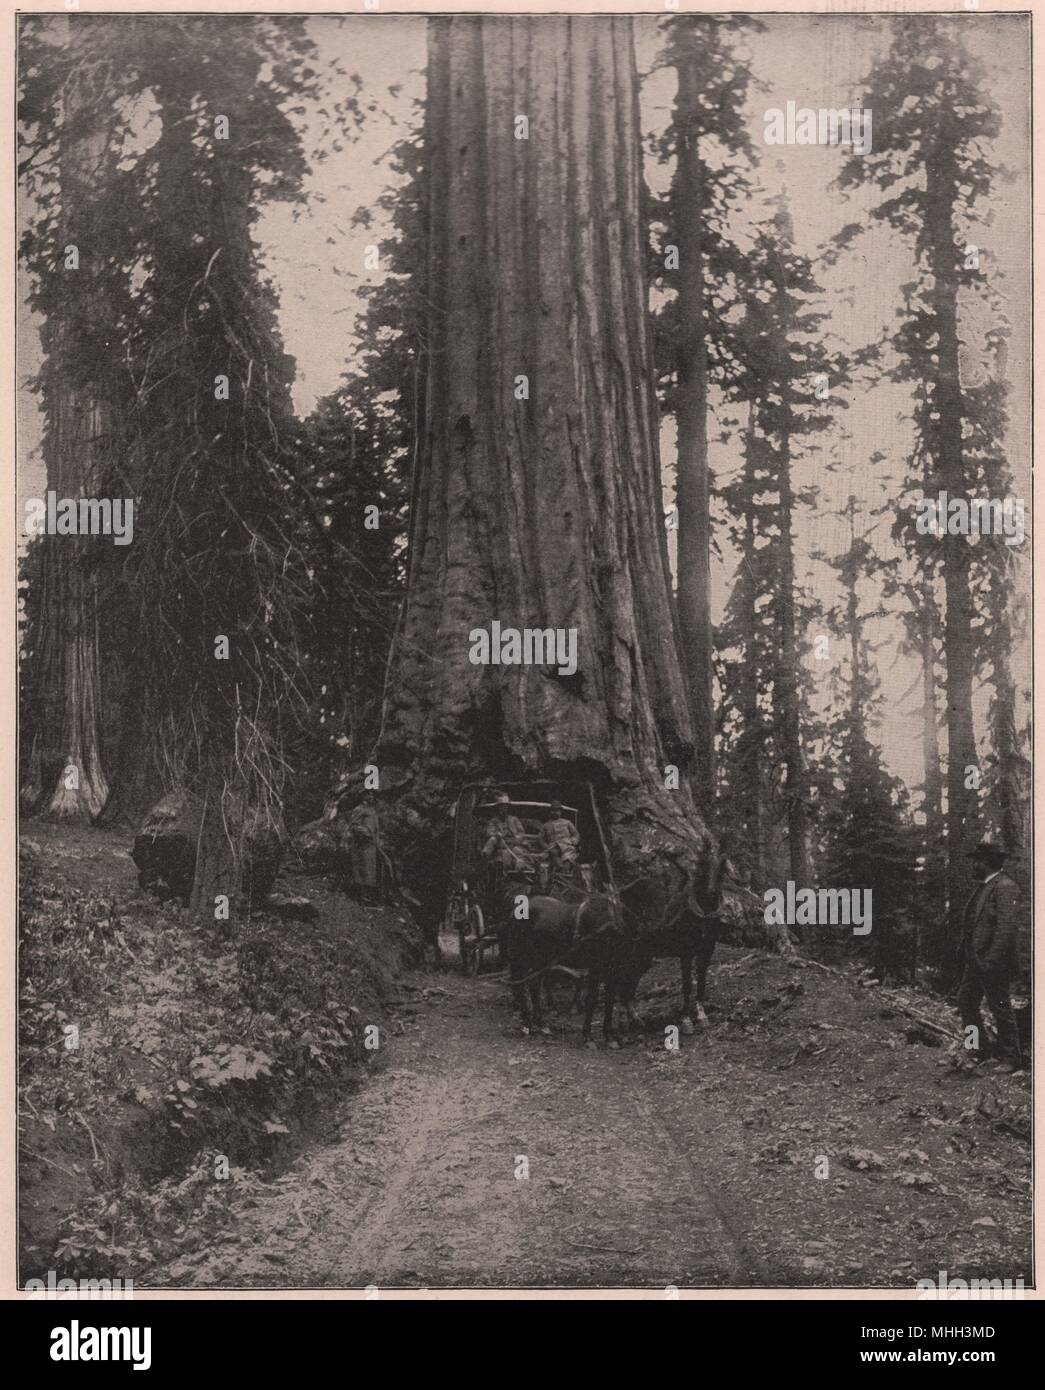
x=586 y=935
x=687 y=922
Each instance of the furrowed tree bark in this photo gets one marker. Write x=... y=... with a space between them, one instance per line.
x=692 y=496
x=141 y=756
x=1006 y=753
x=962 y=801
x=932 y=798
x=136 y=782
x=537 y=502
x=74 y=785
x=933 y=786
x=1011 y=769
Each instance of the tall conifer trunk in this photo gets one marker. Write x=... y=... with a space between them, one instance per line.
x=962 y=801
x=693 y=497
x=932 y=795
x=752 y=732
x=537 y=490
x=72 y=779
x=786 y=696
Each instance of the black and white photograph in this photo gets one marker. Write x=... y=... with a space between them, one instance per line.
x=524 y=694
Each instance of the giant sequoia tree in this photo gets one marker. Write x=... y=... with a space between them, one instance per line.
x=536 y=492
x=74 y=241
x=164 y=379
x=220 y=579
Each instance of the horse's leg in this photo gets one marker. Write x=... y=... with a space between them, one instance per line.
x=520 y=988
x=589 y=1002
x=707 y=950
x=627 y=998
x=686 y=963
x=579 y=991
x=610 y=986
x=536 y=986
x=521 y=995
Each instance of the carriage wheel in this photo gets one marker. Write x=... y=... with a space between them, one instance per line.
x=473 y=931
x=463 y=924
x=457 y=922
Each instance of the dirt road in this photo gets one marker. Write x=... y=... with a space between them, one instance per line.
x=815 y=1135
x=800 y=1141
x=473 y=1157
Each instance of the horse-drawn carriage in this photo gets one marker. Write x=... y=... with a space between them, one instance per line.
x=484 y=887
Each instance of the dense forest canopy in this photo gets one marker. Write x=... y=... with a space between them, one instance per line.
x=290 y=265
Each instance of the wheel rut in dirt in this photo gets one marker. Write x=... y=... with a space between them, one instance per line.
x=476 y=1158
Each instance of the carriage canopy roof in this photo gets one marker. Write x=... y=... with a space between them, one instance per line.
x=475 y=806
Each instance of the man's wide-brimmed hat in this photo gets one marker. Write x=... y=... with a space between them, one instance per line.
x=987 y=849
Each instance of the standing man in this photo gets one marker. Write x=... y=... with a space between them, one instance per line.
x=989 y=950
x=363 y=828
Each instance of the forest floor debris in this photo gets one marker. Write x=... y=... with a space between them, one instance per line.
x=710 y=1166
x=150 y=1045
x=800 y=1140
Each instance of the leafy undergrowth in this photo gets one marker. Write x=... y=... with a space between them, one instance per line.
x=163 y=1063
x=844 y=1145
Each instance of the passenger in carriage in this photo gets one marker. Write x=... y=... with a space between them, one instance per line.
x=505 y=838
x=560 y=837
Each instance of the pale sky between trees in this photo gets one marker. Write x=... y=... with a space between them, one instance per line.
x=315 y=256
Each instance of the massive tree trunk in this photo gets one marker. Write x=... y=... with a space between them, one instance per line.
x=68 y=684
x=692 y=496
x=227 y=757
x=136 y=782
x=962 y=801
x=537 y=490
x=142 y=769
